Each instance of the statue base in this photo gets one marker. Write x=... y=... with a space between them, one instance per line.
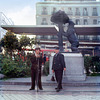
x=74 y=67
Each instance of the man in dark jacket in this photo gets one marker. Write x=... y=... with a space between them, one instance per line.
x=36 y=60
x=58 y=66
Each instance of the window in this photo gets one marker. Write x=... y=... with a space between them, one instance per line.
x=54 y=37
x=86 y=37
x=44 y=11
x=85 y=12
x=44 y=37
x=95 y=21
x=44 y=21
x=85 y=22
x=77 y=22
x=70 y=11
x=98 y=37
x=77 y=12
x=94 y=13
x=54 y=10
x=81 y=37
x=94 y=37
x=98 y=22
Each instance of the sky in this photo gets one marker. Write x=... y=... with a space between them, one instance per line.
x=22 y=12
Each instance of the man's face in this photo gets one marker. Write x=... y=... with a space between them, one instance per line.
x=56 y=51
x=37 y=51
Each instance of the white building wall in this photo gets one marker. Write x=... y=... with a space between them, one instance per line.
x=66 y=5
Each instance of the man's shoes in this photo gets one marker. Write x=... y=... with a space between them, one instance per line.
x=61 y=88
x=31 y=89
x=41 y=88
x=57 y=90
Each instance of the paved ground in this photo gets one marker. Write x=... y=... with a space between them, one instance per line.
x=22 y=92
x=47 y=81
x=84 y=90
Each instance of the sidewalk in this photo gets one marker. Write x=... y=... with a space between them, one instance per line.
x=90 y=81
x=18 y=89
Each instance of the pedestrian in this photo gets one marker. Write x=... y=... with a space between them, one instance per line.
x=44 y=58
x=58 y=66
x=36 y=61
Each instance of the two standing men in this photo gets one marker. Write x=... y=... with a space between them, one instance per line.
x=58 y=66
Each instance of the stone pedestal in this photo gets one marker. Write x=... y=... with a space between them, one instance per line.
x=2 y=76
x=74 y=67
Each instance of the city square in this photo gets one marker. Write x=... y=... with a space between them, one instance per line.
x=50 y=49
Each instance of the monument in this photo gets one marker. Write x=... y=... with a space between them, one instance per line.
x=74 y=60
x=66 y=28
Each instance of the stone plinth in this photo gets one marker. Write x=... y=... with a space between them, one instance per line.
x=2 y=76
x=74 y=67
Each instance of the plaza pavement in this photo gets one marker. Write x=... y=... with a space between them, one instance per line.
x=18 y=89
x=22 y=92
x=90 y=81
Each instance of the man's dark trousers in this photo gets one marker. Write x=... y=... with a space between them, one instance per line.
x=34 y=78
x=58 y=75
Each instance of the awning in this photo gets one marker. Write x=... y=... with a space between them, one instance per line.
x=31 y=29
x=51 y=29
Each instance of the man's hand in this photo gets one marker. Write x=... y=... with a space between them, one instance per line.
x=52 y=71
x=37 y=56
x=64 y=69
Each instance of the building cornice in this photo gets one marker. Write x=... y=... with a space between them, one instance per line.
x=69 y=2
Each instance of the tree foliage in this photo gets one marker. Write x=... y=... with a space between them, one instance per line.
x=2 y=42
x=14 y=68
x=25 y=41
x=87 y=63
x=34 y=41
x=92 y=63
x=10 y=42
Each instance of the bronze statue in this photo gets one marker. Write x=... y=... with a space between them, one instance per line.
x=68 y=30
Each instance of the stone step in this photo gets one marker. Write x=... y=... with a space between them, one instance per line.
x=52 y=83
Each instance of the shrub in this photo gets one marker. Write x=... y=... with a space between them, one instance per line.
x=14 y=68
x=87 y=63
x=92 y=63
x=96 y=63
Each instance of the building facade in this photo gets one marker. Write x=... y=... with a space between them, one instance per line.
x=4 y=21
x=81 y=12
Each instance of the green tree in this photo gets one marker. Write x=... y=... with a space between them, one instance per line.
x=2 y=42
x=10 y=42
x=24 y=41
x=34 y=41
